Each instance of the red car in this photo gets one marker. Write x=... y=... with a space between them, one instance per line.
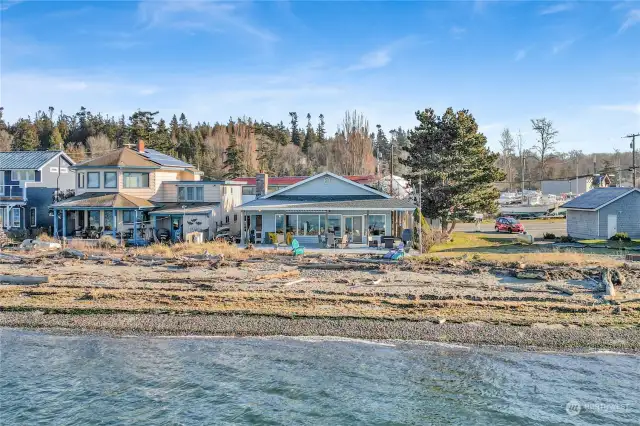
x=508 y=224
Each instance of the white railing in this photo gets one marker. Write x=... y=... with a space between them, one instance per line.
x=12 y=192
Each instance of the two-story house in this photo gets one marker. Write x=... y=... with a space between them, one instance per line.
x=30 y=179
x=139 y=192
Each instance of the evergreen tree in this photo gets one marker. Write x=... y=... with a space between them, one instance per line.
x=234 y=161
x=295 y=132
x=309 y=136
x=320 y=132
x=25 y=136
x=55 y=140
x=457 y=168
x=142 y=127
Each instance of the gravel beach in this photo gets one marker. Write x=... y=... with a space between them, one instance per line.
x=537 y=336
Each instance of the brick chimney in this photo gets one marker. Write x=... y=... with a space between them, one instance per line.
x=141 y=145
x=262 y=184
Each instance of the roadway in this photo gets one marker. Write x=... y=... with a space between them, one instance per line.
x=534 y=227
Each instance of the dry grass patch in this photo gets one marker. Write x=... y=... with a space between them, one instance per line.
x=546 y=258
x=229 y=251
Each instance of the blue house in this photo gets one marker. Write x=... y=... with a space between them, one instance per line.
x=30 y=180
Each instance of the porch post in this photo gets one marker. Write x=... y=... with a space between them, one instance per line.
x=86 y=219
x=115 y=223
x=64 y=223
x=55 y=223
x=366 y=227
x=135 y=227
x=241 y=226
x=326 y=226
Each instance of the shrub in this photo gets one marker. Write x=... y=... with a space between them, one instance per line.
x=621 y=236
x=107 y=241
x=18 y=234
x=567 y=239
x=549 y=236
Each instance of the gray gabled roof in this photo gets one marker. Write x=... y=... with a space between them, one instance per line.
x=597 y=198
x=18 y=160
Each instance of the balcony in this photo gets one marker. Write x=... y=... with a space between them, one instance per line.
x=12 y=193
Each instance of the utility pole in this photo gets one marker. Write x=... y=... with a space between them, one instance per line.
x=633 y=155
x=393 y=216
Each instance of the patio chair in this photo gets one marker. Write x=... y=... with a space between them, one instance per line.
x=344 y=241
x=331 y=240
x=395 y=254
x=296 y=249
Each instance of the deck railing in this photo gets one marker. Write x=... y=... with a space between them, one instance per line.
x=12 y=192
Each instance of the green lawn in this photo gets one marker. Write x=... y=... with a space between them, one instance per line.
x=464 y=240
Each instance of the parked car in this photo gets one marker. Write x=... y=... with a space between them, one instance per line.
x=508 y=224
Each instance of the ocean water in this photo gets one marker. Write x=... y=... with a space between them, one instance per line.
x=61 y=379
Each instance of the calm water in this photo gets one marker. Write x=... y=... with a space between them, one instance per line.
x=79 y=380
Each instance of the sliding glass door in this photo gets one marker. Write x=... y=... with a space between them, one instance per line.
x=353 y=225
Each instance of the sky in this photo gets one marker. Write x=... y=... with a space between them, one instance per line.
x=576 y=63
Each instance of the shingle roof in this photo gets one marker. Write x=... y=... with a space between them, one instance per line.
x=119 y=158
x=314 y=204
x=16 y=160
x=596 y=198
x=102 y=199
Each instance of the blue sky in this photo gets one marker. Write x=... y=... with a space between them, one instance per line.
x=577 y=63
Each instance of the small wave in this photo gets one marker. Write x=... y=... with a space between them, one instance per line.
x=321 y=339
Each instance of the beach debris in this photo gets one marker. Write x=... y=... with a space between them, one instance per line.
x=30 y=244
x=560 y=288
x=23 y=279
x=342 y=281
x=11 y=258
x=608 y=284
x=284 y=274
x=532 y=275
x=294 y=282
x=73 y=253
x=337 y=266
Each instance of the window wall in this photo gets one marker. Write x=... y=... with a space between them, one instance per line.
x=377 y=224
x=135 y=180
x=94 y=219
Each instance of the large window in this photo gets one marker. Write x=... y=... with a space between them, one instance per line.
x=108 y=220
x=33 y=217
x=279 y=224
x=110 y=179
x=190 y=193
x=292 y=223
x=128 y=216
x=248 y=190
x=94 y=219
x=136 y=180
x=376 y=224
x=80 y=180
x=308 y=224
x=23 y=175
x=93 y=180
x=15 y=217
x=335 y=224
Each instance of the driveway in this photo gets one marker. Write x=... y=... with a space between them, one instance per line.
x=534 y=227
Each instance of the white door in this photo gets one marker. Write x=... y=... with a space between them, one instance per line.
x=612 y=222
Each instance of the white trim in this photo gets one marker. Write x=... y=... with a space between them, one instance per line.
x=322 y=209
x=12 y=218
x=33 y=224
x=323 y=174
x=53 y=169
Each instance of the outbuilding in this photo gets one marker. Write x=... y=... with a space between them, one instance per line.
x=603 y=212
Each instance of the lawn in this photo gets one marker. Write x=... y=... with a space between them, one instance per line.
x=464 y=240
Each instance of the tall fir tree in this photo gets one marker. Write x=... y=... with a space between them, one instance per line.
x=295 y=132
x=320 y=132
x=309 y=136
x=234 y=159
x=55 y=140
x=457 y=168
x=25 y=136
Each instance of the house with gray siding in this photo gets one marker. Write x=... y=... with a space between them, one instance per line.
x=30 y=179
x=320 y=205
x=603 y=212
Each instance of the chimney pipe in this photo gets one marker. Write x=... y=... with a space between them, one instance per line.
x=262 y=184
x=141 y=146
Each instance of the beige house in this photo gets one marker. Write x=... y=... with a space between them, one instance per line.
x=142 y=194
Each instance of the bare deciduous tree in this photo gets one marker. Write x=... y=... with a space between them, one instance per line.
x=508 y=145
x=546 y=140
x=100 y=144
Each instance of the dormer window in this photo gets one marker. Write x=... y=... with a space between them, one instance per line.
x=191 y=193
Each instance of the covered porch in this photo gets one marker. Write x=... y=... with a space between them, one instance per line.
x=354 y=224
x=90 y=216
x=178 y=220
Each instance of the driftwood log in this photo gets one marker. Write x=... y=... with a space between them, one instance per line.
x=560 y=288
x=337 y=266
x=23 y=279
x=284 y=274
x=608 y=285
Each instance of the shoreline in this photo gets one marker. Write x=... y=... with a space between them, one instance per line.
x=536 y=337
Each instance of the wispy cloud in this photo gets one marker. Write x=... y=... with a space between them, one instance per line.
x=560 y=46
x=520 y=55
x=380 y=57
x=201 y=16
x=632 y=19
x=556 y=8
x=632 y=108
x=6 y=4
x=457 y=32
